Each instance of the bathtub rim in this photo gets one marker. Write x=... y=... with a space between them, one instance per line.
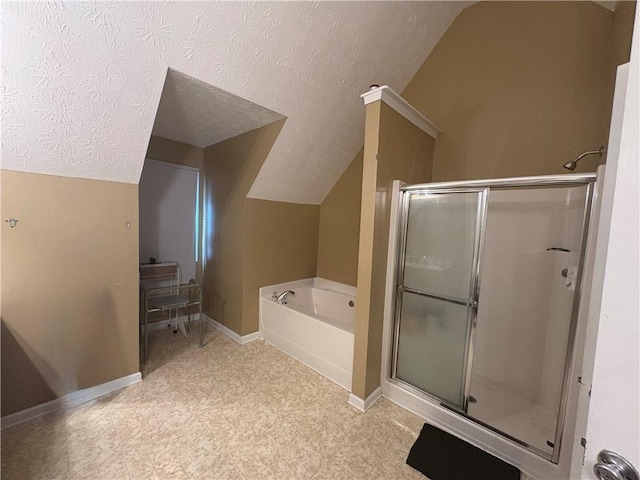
x=319 y=283
x=315 y=282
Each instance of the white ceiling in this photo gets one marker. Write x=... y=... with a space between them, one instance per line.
x=199 y=114
x=82 y=81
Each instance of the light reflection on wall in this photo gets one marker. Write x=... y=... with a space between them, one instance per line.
x=197 y=219
x=208 y=223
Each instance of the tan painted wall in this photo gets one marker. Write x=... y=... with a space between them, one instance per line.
x=230 y=167
x=69 y=286
x=165 y=150
x=518 y=88
x=395 y=149
x=339 y=230
x=404 y=151
x=365 y=250
x=281 y=245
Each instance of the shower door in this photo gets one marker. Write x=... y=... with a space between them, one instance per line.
x=499 y=354
x=437 y=292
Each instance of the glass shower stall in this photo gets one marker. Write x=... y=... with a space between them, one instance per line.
x=487 y=292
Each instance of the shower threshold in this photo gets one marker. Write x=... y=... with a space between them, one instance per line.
x=513 y=414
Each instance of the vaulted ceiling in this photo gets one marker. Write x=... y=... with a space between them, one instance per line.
x=82 y=82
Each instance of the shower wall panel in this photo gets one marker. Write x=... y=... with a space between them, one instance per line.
x=525 y=307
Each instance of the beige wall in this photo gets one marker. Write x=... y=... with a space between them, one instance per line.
x=339 y=229
x=518 y=88
x=394 y=149
x=166 y=150
x=365 y=250
x=281 y=245
x=69 y=286
x=230 y=167
x=233 y=263
x=254 y=242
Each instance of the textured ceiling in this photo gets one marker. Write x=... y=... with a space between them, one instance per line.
x=82 y=81
x=199 y=114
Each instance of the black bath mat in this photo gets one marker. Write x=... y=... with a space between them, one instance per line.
x=441 y=456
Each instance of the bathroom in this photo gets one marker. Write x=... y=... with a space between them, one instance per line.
x=492 y=100
x=489 y=135
x=487 y=121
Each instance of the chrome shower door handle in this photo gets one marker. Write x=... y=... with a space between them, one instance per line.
x=612 y=466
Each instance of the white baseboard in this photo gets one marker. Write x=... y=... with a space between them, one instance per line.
x=241 y=339
x=163 y=324
x=70 y=400
x=78 y=397
x=364 y=405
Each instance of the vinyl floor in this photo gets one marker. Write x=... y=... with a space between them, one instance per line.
x=225 y=411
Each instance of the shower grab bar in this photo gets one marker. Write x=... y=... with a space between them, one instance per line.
x=464 y=303
x=558 y=249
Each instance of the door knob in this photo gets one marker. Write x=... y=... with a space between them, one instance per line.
x=612 y=466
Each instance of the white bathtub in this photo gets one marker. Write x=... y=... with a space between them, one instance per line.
x=315 y=327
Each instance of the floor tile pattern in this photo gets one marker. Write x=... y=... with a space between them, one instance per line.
x=225 y=411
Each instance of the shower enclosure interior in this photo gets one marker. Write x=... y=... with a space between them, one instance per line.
x=487 y=293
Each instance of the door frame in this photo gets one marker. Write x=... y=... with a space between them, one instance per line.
x=198 y=214
x=609 y=394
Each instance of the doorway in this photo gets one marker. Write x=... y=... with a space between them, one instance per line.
x=168 y=196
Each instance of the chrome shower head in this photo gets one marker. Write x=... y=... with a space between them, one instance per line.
x=573 y=163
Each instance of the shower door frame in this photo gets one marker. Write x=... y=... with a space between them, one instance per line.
x=474 y=287
x=564 y=180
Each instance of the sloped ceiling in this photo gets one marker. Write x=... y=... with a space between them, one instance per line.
x=199 y=114
x=82 y=81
